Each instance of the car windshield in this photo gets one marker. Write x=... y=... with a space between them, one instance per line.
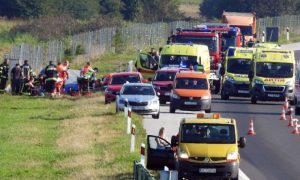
x=275 y=70
x=246 y=30
x=124 y=79
x=178 y=60
x=211 y=42
x=228 y=41
x=238 y=66
x=191 y=83
x=138 y=90
x=208 y=133
x=164 y=76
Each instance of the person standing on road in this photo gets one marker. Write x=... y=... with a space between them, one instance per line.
x=16 y=79
x=50 y=78
x=4 y=69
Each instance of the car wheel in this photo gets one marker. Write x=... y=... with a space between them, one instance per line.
x=224 y=96
x=253 y=100
x=208 y=110
x=117 y=110
x=106 y=101
x=162 y=102
x=172 y=108
x=156 y=116
x=237 y=178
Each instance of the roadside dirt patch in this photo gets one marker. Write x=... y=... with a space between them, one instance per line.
x=79 y=161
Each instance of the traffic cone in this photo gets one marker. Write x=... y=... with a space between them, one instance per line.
x=282 y=116
x=251 y=128
x=286 y=103
x=291 y=123
x=296 y=131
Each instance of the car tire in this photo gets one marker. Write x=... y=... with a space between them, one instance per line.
x=106 y=101
x=162 y=102
x=297 y=110
x=156 y=116
x=208 y=110
x=224 y=96
x=117 y=110
x=237 y=178
x=172 y=108
x=253 y=100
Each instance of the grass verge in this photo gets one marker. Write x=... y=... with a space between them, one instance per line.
x=67 y=138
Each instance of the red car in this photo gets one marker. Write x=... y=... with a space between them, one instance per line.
x=116 y=82
x=162 y=82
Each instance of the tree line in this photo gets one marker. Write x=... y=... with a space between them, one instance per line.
x=132 y=10
x=262 y=8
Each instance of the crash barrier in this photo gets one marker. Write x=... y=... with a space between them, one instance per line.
x=140 y=172
x=168 y=175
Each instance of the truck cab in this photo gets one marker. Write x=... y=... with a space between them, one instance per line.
x=272 y=75
x=235 y=70
x=206 y=146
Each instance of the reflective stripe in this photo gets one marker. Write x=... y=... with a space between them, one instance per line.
x=51 y=69
x=49 y=79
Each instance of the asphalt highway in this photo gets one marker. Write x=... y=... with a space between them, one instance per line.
x=273 y=153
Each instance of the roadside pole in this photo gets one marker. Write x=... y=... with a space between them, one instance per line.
x=128 y=120
x=143 y=154
x=132 y=139
x=263 y=37
x=287 y=33
x=126 y=108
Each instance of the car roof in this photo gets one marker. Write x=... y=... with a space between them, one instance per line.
x=190 y=74
x=125 y=73
x=208 y=121
x=137 y=84
x=168 y=70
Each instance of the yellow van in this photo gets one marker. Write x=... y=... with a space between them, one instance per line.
x=175 y=55
x=272 y=75
x=235 y=70
x=206 y=146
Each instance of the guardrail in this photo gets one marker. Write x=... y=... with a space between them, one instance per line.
x=140 y=172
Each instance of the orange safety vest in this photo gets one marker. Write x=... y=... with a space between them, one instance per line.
x=85 y=69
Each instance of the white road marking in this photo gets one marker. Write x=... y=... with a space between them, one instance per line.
x=243 y=176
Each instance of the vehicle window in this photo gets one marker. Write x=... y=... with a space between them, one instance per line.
x=191 y=83
x=138 y=90
x=276 y=70
x=246 y=30
x=178 y=60
x=147 y=61
x=155 y=141
x=208 y=133
x=211 y=42
x=124 y=79
x=164 y=76
x=238 y=66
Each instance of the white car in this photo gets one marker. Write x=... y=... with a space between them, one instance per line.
x=141 y=97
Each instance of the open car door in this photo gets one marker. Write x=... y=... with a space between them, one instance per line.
x=146 y=64
x=158 y=157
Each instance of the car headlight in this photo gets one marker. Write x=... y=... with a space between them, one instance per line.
x=107 y=91
x=229 y=78
x=258 y=82
x=156 y=87
x=182 y=154
x=155 y=102
x=175 y=96
x=289 y=83
x=232 y=156
x=205 y=97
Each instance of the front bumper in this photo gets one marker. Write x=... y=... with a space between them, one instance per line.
x=195 y=104
x=222 y=170
x=238 y=89
x=272 y=93
x=149 y=109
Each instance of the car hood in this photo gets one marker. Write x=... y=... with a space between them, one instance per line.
x=138 y=98
x=208 y=150
x=116 y=87
x=162 y=83
x=191 y=92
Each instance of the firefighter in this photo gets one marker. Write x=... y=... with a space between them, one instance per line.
x=26 y=72
x=16 y=79
x=4 y=69
x=62 y=76
x=50 y=78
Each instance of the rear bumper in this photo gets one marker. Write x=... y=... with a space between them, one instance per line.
x=222 y=170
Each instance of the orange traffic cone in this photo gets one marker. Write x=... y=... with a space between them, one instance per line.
x=296 y=131
x=251 y=128
x=286 y=103
x=282 y=116
x=291 y=123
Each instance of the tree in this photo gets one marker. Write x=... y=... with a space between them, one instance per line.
x=111 y=8
x=132 y=10
x=20 y=8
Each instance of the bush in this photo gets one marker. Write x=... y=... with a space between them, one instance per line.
x=80 y=50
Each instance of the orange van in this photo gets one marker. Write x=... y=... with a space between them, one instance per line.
x=190 y=92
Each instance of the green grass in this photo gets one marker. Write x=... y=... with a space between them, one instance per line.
x=65 y=138
x=189 y=1
x=293 y=38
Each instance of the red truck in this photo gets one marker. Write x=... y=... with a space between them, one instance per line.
x=214 y=38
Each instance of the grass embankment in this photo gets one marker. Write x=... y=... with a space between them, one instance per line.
x=293 y=38
x=67 y=138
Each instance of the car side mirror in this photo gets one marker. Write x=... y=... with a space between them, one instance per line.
x=242 y=142
x=145 y=81
x=174 y=141
x=158 y=93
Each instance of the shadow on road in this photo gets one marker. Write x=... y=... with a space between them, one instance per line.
x=240 y=112
x=245 y=102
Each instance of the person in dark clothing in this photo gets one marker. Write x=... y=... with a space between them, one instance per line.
x=27 y=73
x=16 y=78
x=4 y=69
x=50 y=78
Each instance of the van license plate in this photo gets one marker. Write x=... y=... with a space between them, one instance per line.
x=190 y=103
x=167 y=94
x=207 y=170
x=273 y=95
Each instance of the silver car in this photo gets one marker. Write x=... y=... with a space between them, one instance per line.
x=141 y=97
